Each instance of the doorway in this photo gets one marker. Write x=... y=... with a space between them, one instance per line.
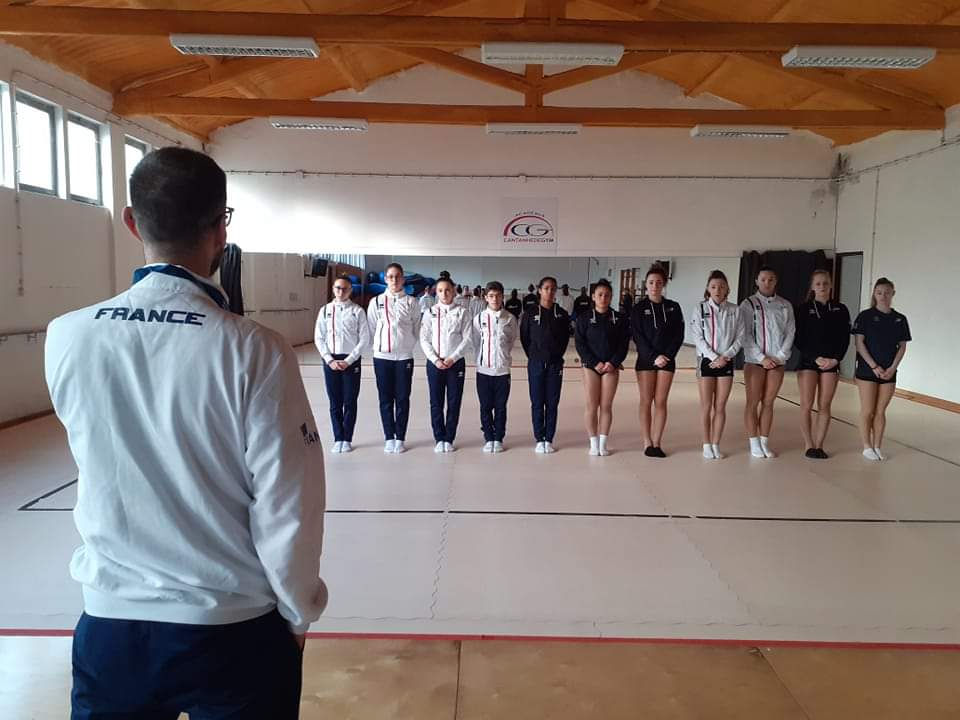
x=849 y=279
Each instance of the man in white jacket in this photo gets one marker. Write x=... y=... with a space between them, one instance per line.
x=342 y=334
x=201 y=489
x=495 y=331
x=394 y=319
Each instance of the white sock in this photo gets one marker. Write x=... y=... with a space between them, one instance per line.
x=755 y=449
x=766 y=450
x=594 y=442
x=716 y=451
x=603 y=445
x=708 y=451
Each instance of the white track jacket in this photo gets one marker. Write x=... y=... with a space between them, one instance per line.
x=394 y=320
x=717 y=329
x=342 y=329
x=445 y=332
x=495 y=332
x=201 y=485
x=768 y=328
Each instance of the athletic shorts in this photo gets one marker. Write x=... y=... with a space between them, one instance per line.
x=812 y=365
x=705 y=371
x=865 y=373
x=758 y=365
x=643 y=366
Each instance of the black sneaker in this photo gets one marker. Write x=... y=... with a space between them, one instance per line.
x=821 y=455
x=659 y=452
x=812 y=453
x=651 y=452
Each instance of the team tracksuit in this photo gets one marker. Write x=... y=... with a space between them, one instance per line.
x=445 y=335
x=769 y=326
x=717 y=330
x=494 y=332
x=342 y=333
x=394 y=320
x=545 y=334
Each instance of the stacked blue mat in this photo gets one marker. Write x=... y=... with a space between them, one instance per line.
x=413 y=283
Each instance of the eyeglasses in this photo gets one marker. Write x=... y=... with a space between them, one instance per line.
x=226 y=216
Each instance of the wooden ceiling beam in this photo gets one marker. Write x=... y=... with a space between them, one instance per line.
x=534 y=96
x=480 y=114
x=467 y=67
x=462 y=32
x=581 y=75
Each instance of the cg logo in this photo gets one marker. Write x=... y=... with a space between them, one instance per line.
x=527 y=226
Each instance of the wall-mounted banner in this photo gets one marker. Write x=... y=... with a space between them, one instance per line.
x=529 y=225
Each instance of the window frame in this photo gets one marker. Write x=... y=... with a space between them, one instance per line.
x=51 y=110
x=97 y=128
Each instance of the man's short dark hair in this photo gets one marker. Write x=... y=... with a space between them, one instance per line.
x=177 y=196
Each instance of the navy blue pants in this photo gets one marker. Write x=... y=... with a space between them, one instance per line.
x=343 y=389
x=493 y=391
x=545 y=379
x=134 y=669
x=394 y=379
x=445 y=386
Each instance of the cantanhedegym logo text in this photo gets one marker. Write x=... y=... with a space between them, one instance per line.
x=529 y=227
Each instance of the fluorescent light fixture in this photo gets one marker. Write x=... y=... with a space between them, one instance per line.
x=765 y=132
x=529 y=53
x=879 y=58
x=532 y=129
x=317 y=123
x=246 y=45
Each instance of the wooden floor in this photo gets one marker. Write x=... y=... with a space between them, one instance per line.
x=362 y=679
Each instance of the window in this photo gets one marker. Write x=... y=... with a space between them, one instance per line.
x=6 y=137
x=36 y=129
x=133 y=152
x=83 y=163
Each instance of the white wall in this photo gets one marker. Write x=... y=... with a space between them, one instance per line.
x=436 y=190
x=73 y=254
x=905 y=218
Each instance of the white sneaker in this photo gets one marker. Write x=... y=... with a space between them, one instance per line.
x=755 y=449
x=488 y=446
x=716 y=452
x=335 y=448
x=448 y=447
x=398 y=447
x=870 y=454
x=539 y=448
x=439 y=448
x=346 y=447
x=880 y=455
x=708 y=451
x=767 y=452
x=604 y=452
x=602 y=446
x=388 y=446
x=497 y=446
x=593 y=451
x=549 y=448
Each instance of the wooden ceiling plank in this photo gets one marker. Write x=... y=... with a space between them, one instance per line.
x=581 y=75
x=467 y=67
x=348 y=67
x=704 y=82
x=836 y=81
x=462 y=32
x=203 y=77
x=534 y=95
x=479 y=114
